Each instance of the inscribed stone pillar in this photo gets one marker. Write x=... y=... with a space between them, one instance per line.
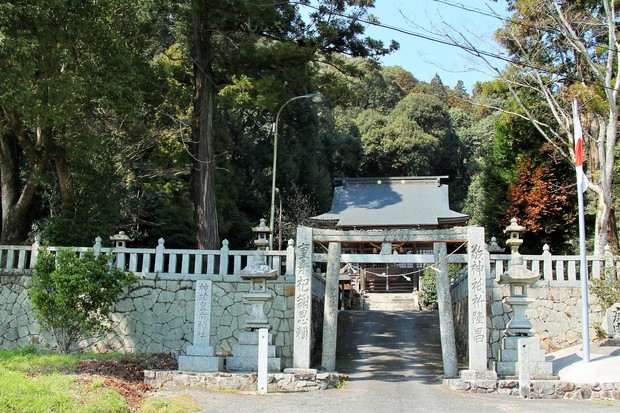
x=201 y=355
x=446 y=322
x=303 y=299
x=202 y=312
x=477 y=312
x=330 y=317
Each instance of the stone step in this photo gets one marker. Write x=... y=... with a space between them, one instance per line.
x=391 y=302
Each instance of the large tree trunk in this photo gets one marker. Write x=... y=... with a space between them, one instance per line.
x=601 y=229
x=612 y=233
x=207 y=236
x=17 y=199
x=16 y=204
x=65 y=180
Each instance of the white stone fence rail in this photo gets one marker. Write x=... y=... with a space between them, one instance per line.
x=554 y=270
x=159 y=262
x=561 y=270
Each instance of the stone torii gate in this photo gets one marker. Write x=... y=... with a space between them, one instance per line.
x=478 y=267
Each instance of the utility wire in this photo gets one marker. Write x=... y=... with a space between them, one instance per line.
x=415 y=34
x=468 y=48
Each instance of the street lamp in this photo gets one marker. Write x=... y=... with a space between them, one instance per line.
x=316 y=97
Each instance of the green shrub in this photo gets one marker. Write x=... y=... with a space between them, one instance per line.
x=72 y=295
x=428 y=290
x=607 y=291
x=428 y=285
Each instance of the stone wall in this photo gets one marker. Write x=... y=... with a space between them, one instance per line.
x=300 y=381
x=157 y=316
x=18 y=328
x=555 y=314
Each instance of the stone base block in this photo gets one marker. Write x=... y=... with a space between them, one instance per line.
x=237 y=363
x=293 y=370
x=508 y=364
x=537 y=369
x=510 y=347
x=476 y=375
x=251 y=338
x=200 y=363
x=243 y=350
x=208 y=351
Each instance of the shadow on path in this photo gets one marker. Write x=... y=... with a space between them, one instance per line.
x=389 y=346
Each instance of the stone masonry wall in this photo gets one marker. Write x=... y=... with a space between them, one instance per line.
x=156 y=316
x=555 y=315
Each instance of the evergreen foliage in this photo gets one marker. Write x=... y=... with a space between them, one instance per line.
x=72 y=296
x=428 y=290
x=607 y=290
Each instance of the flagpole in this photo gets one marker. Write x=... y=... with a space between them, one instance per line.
x=583 y=272
x=582 y=183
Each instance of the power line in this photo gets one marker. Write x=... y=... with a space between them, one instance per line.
x=415 y=34
x=470 y=49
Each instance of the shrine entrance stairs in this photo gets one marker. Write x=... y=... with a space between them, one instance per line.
x=392 y=301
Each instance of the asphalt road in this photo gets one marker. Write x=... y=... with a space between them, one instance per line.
x=393 y=364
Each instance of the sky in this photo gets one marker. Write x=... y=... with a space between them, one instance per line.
x=425 y=58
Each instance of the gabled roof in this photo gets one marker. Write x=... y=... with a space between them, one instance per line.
x=397 y=202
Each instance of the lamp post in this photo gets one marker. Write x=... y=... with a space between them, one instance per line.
x=316 y=97
x=279 y=220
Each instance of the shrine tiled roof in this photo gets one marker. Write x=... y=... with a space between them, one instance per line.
x=396 y=202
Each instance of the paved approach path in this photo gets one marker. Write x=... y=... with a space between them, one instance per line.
x=393 y=360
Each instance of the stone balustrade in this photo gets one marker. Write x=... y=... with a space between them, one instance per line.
x=157 y=314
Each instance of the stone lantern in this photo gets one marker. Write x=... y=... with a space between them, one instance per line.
x=519 y=333
x=257 y=272
x=262 y=232
x=519 y=278
x=120 y=240
x=514 y=231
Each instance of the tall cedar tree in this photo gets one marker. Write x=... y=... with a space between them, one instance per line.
x=326 y=33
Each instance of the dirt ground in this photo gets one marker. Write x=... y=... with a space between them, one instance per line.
x=126 y=375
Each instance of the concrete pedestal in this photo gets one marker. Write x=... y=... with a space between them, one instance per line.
x=245 y=354
x=201 y=359
x=508 y=364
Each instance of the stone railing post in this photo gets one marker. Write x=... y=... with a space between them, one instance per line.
x=97 y=246
x=290 y=258
x=34 y=253
x=159 y=256
x=547 y=263
x=224 y=253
